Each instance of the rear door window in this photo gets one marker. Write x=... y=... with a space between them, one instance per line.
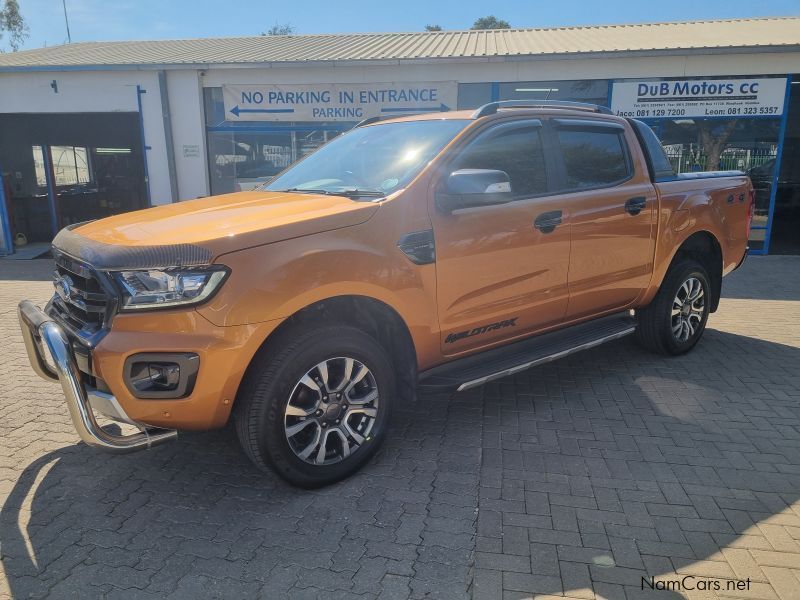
x=593 y=158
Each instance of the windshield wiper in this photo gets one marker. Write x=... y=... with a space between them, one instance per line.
x=307 y=191
x=356 y=193
x=351 y=193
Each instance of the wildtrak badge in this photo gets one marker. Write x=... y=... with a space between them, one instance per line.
x=454 y=337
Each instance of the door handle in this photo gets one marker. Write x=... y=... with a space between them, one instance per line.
x=635 y=205
x=548 y=221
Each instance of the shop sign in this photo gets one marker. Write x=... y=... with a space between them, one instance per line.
x=334 y=101
x=692 y=98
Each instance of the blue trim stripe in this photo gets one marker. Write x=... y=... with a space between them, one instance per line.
x=5 y=219
x=719 y=118
x=495 y=91
x=145 y=147
x=778 y=155
x=277 y=129
x=47 y=155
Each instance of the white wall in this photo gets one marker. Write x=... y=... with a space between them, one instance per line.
x=96 y=91
x=101 y=91
x=188 y=131
x=543 y=69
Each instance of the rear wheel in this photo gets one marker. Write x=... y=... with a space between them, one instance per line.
x=676 y=318
x=318 y=408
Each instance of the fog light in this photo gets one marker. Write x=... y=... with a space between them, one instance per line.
x=150 y=377
x=161 y=375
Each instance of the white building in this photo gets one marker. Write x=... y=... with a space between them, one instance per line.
x=91 y=129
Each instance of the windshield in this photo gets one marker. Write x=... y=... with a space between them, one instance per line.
x=370 y=161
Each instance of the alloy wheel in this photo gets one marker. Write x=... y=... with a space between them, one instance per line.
x=688 y=308
x=331 y=411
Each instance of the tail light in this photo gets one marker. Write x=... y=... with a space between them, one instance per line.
x=751 y=210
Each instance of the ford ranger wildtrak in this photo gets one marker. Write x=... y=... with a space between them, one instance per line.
x=440 y=250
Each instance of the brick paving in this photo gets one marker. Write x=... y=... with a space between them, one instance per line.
x=575 y=479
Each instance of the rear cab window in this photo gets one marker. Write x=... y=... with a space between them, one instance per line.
x=594 y=154
x=657 y=162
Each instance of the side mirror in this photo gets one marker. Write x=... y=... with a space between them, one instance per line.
x=467 y=188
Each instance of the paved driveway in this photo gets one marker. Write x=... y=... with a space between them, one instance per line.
x=579 y=478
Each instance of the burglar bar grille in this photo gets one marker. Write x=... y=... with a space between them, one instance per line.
x=80 y=298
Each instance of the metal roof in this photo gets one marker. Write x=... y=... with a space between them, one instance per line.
x=775 y=32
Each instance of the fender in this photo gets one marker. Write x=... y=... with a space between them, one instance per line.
x=276 y=281
x=684 y=215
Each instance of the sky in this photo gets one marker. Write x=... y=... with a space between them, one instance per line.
x=103 y=20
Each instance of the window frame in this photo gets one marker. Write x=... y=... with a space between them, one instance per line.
x=656 y=176
x=588 y=126
x=501 y=126
x=50 y=165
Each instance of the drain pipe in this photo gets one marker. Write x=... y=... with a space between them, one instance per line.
x=170 y=143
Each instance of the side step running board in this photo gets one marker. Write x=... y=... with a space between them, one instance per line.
x=478 y=369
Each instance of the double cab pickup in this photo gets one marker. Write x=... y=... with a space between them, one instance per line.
x=434 y=251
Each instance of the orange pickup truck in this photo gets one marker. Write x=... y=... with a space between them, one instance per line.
x=439 y=250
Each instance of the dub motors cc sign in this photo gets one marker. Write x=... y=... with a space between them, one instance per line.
x=690 y=98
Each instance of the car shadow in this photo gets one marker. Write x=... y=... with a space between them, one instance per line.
x=715 y=432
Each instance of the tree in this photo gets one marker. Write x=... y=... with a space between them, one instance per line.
x=490 y=22
x=712 y=138
x=276 y=29
x=433 y=27
x=12 y=22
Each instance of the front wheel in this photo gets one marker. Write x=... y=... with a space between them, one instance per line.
x=676 y=318
x=318 y=408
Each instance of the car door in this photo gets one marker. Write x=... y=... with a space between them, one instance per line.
x=498 y=275
x=612 y=207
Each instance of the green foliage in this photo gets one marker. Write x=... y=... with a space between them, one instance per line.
x=433 y=28
x=285 y=29
x=12 y=23
x=490 y=22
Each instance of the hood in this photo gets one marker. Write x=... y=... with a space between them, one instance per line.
x=196 y=231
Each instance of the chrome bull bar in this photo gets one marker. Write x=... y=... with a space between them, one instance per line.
x=42 y=334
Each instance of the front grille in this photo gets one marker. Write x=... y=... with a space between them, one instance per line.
x=82 y=300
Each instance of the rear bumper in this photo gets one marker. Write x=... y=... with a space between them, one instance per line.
x=744 y=258
x=45 y=339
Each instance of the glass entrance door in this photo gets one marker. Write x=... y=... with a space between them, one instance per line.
x=62 y=169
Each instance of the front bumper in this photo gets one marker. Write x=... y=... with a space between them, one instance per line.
x=43 y=335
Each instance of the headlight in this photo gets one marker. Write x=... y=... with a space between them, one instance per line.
x=153 y=288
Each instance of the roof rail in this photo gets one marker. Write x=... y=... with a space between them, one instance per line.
x=371 y=120
x=368 y=121
x=493 y=107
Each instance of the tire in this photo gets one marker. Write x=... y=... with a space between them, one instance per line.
x=658 y=329
x=273 y=421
